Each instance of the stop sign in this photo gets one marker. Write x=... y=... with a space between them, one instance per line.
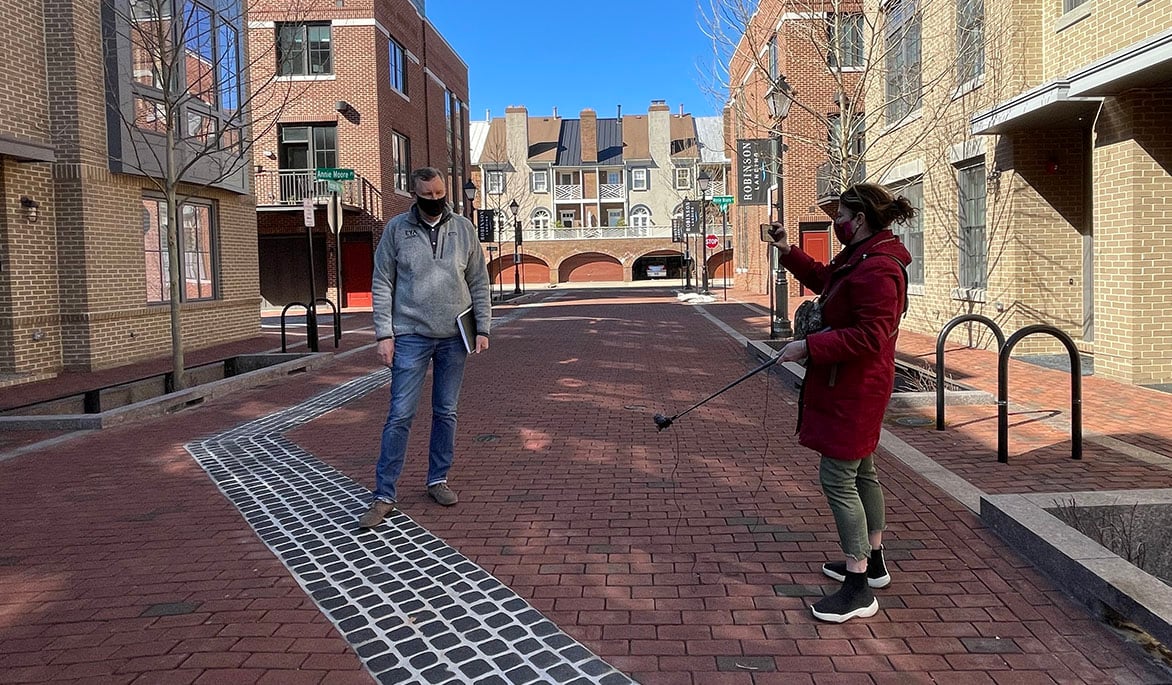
x=711 y=242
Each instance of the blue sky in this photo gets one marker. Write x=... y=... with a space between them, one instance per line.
x=572 y=55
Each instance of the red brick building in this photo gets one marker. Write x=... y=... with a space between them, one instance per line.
x=813 y=58
x=373 y=88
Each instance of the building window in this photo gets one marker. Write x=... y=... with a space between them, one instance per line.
x=970 y=40
x=640 y=217
x=206 y=82
x=401 y=158
x=911 y=234
x=540 y=219
x=902 y=42
x=774 y=68
x=1068 y=5
x=539 y=181
x=303 y=148
x=973 y=271
x=398 y=67
x=683 y=179
x=845 y=40
x=304 y=50
x=638 y=179
x=566 y=218
x=496 y=182
x=614 y=217
x=196 y=241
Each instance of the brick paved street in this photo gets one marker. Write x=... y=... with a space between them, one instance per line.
x=686 y=557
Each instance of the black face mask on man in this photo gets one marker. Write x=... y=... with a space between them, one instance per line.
x=432 y=207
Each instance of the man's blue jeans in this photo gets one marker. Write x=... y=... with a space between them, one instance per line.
x=413 y=353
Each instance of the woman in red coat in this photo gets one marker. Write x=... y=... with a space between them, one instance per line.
x=850 y=374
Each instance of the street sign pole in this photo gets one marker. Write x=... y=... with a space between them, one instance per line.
x=335 y=218
x=311 y=308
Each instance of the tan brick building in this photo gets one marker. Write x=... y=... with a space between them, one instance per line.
x=1030 y=134
x=81 y=263
x=597 y=196
x=373 y=87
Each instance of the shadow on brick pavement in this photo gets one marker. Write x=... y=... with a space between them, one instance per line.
x=684 y=557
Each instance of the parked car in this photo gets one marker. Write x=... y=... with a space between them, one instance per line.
x=656 y=271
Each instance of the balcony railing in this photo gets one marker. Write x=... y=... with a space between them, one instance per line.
x=612 y=191
x=287 y=188
x=567 y=192
x=831 y=178
x=593 y=233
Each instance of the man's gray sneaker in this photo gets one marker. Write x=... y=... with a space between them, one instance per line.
x=440 y=492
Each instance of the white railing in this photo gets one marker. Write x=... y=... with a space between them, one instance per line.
x=596 y=232
x=612 y=191
x=567 y=192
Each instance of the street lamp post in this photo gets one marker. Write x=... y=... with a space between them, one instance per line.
x=704 y=181
x=516 y=247
x=470 y=196
x=779 y=98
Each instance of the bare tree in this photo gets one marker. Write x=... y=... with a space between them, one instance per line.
x=890 y=99
x=185 y=107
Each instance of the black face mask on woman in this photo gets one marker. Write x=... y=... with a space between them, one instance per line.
x=432 y=207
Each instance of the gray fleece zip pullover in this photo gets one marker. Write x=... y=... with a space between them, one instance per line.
x=420 y=289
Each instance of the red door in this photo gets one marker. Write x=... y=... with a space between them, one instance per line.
x=816 y=243
x=357 y=270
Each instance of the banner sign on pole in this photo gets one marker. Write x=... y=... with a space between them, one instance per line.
x=485 y=221
x=677 y=231
x=753 y=164
x=691 y=211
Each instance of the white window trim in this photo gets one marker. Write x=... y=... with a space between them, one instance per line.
x=493 y=176
x=977 y=295
x=676 y=178
x=306 y=77
x=544 y=176
x=636 y=183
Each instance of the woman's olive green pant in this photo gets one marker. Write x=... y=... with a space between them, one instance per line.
x=852 y=489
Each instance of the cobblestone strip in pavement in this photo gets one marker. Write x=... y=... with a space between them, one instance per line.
x=414 y=609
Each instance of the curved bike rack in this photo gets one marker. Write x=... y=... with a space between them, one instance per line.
x=285 y=311
x=941 y=339
x=337 y=319
x=1003 y=390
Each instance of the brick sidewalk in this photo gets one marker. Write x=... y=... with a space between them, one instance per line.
x=685 y=557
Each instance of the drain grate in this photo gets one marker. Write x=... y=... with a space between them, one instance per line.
x=915 y=421
x=486 y=437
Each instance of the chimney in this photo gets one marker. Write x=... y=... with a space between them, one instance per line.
x=659 y=133
x=681 y=109
x=517 y=134
x=555 y=111
x=620 y=112
x=589 y=136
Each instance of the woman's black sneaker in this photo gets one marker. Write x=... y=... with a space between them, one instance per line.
x=853 y=600
x=877 y=575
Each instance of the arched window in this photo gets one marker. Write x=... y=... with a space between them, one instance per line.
x=640 y=217
x=539 y=221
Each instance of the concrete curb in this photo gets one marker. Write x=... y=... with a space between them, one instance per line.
x=171 y=402
x=1083 y=568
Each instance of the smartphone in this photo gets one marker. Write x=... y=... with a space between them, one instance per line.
x=767 y=233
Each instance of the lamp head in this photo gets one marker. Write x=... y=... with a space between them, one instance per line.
x=704 y=180
x=469 y=190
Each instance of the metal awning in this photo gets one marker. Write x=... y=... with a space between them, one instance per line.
x=1066 y=102
x=1142 y=65
x=1050 y=105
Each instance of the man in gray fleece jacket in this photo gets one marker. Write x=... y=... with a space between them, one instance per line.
x=428 y=268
